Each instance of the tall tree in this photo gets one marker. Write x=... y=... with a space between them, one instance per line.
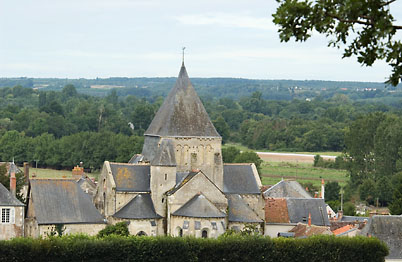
x=364 y=28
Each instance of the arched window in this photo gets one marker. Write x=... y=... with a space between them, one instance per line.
x=204 y=233
x=179 y=231
x=141 y=233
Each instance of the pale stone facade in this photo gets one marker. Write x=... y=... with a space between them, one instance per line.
x=179 y=181
x=12 y=224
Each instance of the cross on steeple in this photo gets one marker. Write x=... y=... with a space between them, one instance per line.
x=183 y=53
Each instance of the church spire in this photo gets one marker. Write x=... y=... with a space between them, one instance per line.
x=182 y=113
x=183 y=55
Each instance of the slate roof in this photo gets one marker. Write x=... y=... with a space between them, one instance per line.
x=136 y=158
x=182 y=113
x=140 y=207
x=353 y=219
x=84 y=179
x=131 y=177
x=276 y=211
x=165 y=155
x=239 y=211
x=199 y=207
x=387 y=229
x=285 y=188
x=239 y=179
x=8 y=199
x=299 y=209
x=181 y=179
x=61 y=201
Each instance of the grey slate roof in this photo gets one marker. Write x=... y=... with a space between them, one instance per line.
x=239 y=211
x=140 y=207
x=239 y=179
x=353 y=219
x=181 y=179
x=7 y=199
x=200 y=207
x=285 y=189
x=182 y=113
x=61 y=201
x=299 y=209
x=136 y=158
x=387 y=229
x=165 y=155
x=84 y=179
x=131 y=177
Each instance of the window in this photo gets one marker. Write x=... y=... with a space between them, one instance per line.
x=185 y=224
x=214 y=226
x=197 y=225
x=165 y=177
x=153 y=223
x=6 y=215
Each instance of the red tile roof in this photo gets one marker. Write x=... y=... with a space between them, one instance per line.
x=342 y=229
x=276 y=211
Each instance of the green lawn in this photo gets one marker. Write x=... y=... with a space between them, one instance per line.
x=272 y=172
x=244 y=148
x=52 y=173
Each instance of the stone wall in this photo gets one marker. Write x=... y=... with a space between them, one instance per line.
x=186 y=226
x=16 y=226
x=151 y=227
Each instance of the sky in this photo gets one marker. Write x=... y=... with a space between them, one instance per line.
x=144 y=38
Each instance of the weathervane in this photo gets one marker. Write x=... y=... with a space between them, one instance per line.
x=183 y=52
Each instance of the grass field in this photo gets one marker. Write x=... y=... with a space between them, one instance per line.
x=273 y=172
x=244 y=148
x=52 y=173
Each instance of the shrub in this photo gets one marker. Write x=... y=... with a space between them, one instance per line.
x=229 y=248
x=120 y=229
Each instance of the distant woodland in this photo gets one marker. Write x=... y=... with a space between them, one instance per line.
x=61 y=127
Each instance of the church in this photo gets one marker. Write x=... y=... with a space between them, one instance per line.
x=179 y=185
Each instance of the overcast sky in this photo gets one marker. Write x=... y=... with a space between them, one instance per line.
x=134 y=38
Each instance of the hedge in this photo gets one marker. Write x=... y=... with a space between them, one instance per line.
x=230 y=248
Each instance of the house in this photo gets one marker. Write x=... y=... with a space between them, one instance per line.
x=347 y=230
x=180 y=177
x=286 y=189
x=283 y=214
x=61 y=202
x=87 y=185
x=387 y=229
x=11 y=215
x=305 y=230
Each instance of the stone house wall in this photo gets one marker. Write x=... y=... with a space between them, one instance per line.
x=15 y=228
x=187 y=225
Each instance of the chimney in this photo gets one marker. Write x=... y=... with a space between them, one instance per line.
x=322 y=189
x=26 y=172
x=309 y=219
x=340 y=215
x=13 y=183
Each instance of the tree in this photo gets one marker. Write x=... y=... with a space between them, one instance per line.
x=249 y=157
x=364 y=28
x=349 y=209
x=332 y=191
x=229 y=154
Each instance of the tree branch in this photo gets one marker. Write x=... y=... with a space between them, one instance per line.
x=357 y=21
x=387 y=3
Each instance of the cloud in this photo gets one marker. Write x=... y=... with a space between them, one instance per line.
x=227 y=20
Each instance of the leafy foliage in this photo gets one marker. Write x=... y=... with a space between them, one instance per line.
x=365 y=28
x=230 y=248
x=332 y=190
x=119 y=229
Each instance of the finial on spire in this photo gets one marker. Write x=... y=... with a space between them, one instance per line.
x=183 y=53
